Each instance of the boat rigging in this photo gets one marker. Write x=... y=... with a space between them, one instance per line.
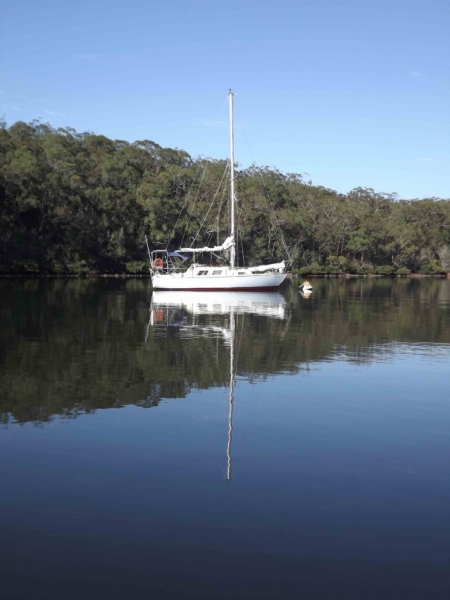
x=169 y=271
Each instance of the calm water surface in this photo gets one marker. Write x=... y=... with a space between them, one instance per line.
x=243 y=446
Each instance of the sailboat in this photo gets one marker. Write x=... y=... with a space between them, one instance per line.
x=168 y=270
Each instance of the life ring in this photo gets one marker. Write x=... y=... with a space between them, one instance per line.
x=158 y=263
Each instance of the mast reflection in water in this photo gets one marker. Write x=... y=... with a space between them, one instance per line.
x=182 y=310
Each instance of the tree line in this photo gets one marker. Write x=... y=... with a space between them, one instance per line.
x=80 y=203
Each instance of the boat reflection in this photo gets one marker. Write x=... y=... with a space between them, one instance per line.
x=269 y=304
x=187 y=310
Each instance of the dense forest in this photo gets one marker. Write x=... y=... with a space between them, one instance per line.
x=80 y=203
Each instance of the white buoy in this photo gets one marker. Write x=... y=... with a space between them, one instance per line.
x=306 y=286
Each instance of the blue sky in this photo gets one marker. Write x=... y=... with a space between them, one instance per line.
x=353 y=93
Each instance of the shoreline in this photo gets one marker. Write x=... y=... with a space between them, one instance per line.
x=371 y=276
x=289 y=276
x=71 y=276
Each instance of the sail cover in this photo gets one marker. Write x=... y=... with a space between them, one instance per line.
x=225 y=246
x=274 y=267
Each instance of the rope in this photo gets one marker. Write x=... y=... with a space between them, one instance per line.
x=182 y=208
x=240 y=233
x=195 y=200
x=210 y=206
x=220 y=207
x=266 y=190
x=187 y=196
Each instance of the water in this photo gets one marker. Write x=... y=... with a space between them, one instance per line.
x=225 y=446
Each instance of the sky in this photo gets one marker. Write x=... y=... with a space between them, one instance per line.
x=346 y=92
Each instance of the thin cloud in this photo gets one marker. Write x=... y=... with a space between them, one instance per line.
x=428 y=163
x=415 y=73
x=9 y=106
x=54 y=114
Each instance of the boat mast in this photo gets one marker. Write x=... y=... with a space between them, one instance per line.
x=232 y=198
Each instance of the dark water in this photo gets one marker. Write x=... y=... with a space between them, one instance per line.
x=236 y=446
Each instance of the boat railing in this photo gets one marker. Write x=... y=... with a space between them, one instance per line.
x=162 y=261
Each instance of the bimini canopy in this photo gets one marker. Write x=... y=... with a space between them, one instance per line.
x=225 y=246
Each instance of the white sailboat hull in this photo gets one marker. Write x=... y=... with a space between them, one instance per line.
x=230 y=282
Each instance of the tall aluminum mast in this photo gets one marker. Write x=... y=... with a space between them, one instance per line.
x=232 y=199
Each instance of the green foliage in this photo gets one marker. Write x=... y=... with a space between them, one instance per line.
x=387 y=270
x=80 y=203
x=80 y=267
x=402 y=271
x=26 y=267
x=313 y=269
x=338 y=264
x=137 y=267
x=431 y=268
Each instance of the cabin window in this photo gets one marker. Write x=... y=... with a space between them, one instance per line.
x=202 y=273
x=217 y=272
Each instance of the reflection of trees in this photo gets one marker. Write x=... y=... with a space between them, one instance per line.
x=77 y=346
